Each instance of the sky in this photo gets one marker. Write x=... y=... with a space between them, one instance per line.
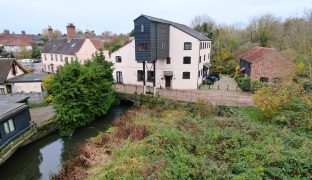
x=117 y=15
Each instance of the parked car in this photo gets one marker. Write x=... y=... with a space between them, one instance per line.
x=37 y=61
x=211 y=78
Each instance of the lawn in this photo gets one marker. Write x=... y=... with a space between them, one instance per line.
x=181 y=142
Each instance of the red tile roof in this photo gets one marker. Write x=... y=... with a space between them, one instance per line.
x=258 y=53
x=15 y=39
x=98 y=43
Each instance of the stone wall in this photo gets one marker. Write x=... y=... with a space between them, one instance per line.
x=34 y=98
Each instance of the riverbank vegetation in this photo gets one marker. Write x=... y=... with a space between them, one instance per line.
x=80 y=93
x=168 y=140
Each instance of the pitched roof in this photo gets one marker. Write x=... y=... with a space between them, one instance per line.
x=62 y=46
x=258 y=53
x=15 y=39
x=5 y=67
x=182 y=27
x=27 y=78
x=98 y=43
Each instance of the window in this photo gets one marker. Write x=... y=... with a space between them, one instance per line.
x=163 y=45
x=143 y=47
x=201 y=45
x=118 y=59
x=71 y=59
x=187 y=46
x=9 y=126
x=204 y=57
x=142 y=28
x=45 y=56
x=61 y=57
x=208 y=55
x=51 y=57
x=199 y=59
x=264 y=79
x=208 y=44
x=168 y=60
x=186 y=75
x=150 y=76
x=66 y=59
x=198 y=73
x=55 y=57
x=140 y=75
x=187 y=60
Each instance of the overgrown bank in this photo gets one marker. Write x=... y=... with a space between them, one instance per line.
x=193 y=141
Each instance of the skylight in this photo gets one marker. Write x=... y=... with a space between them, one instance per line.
x=73 y=45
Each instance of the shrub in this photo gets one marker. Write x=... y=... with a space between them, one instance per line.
x=223 y=111
x=244 y=83
x=231 y=67
x=48 y=99
x=307 y=86
x=271 y=99
x=255 y=85
x=204 y=108
x=82 y=92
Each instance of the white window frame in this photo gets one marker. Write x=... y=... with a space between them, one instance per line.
x=9 y=126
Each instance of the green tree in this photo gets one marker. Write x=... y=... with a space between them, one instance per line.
x=82 y=92
x=36 y=53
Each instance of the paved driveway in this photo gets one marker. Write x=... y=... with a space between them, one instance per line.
x=225 y=83
x=219 y=97
x=41 y=115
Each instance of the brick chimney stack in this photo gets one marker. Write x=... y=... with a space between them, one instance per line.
x=23 y=32
x=50 y=32
x=71 y=32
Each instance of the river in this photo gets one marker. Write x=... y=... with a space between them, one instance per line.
x=39 y=159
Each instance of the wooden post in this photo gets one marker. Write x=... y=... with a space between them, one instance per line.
x=144 y=80
x=154 y=80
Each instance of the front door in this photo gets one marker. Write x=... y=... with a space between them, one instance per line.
x=168 y=82
x=119 y=77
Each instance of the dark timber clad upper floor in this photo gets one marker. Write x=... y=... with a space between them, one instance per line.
x=152 y=37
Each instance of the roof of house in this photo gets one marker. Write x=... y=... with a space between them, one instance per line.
x=62 y=46
x=5 y=67
x=15 y=39
x=27 y=78
x=9 y=109
x=258 y=53
x=14 y=99
x=181 y=27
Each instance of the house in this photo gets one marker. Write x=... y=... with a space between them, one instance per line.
x=13 y=43
x=73 y=47
x=266 y=65
x=164 y=54
x=14 y=118
x=15 y=79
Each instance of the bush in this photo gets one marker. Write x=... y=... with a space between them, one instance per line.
x=224 y=111
x=204 y=108
x=231 y=67
x=255 y=85
x=82 y=92
x=244 y=83
x=307 y=86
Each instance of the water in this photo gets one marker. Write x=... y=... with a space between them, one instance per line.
x=43 y=157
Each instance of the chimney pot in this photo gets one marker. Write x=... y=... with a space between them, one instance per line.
x=71 y=31
x=50 y=32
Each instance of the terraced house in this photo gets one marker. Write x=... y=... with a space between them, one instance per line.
x=73 y=47
x=164 y=54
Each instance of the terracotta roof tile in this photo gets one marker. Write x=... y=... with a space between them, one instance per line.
x=258 y=53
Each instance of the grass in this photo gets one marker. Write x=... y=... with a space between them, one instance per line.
x=251 y=112
x=37 y=105
x=177 y=143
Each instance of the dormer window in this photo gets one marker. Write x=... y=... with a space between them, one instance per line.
x=187 y=46
x=142 y=28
